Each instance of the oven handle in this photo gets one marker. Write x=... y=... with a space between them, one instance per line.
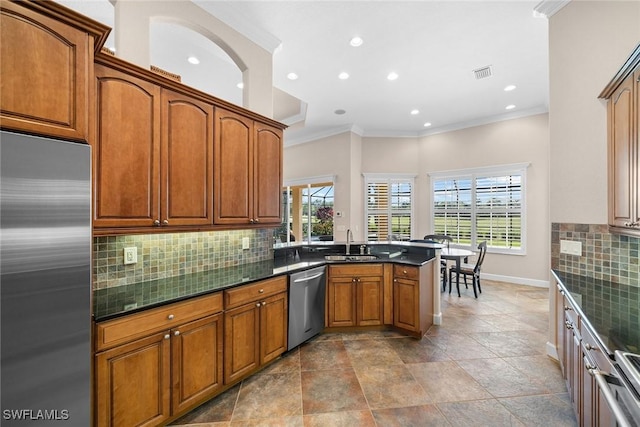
x=306 y=279
x=609 y=397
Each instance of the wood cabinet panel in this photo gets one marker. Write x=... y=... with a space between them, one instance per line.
x=268 y=174
x=44 y=74
x=133 y=383
x=187 y=160
x=341 y=302
x=241 y=341
x=622 y=155
x=196 y=358
x=369 y=297
x=124 y=329
x=126 y=151
x=273 y=327
x=406 y=304
x=233 y=168
x=243 y=294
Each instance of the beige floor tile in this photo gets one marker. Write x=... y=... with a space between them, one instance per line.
x=447 y=382
x=479 y=413
x=412 y=416
x=390 y=387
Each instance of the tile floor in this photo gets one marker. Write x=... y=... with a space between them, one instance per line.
x=485 y=366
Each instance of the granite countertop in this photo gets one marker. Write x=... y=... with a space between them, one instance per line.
x=116 y=301
x=611 y=309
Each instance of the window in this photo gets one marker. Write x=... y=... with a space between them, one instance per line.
x=388 y=207
x=482 y=204
x=308 y=212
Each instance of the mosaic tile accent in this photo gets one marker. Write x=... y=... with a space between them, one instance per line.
x=606 y=256
x=174 y=254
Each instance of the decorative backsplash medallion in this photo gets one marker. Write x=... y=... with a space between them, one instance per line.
x=611 y=257
x=174 y=254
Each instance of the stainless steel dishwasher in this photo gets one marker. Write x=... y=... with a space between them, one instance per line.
x=306 y=305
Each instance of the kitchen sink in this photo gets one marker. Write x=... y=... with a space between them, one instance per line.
x=350 y=257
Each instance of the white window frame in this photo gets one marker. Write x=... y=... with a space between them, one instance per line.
x=473 y=174
x=388 y=178
x=309 y=182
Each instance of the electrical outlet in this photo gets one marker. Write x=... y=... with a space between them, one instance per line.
x=130 y=255
x=245 y=243
x=571 y=247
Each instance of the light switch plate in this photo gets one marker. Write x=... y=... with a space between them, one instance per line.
x=245 y=243
x=571 y=247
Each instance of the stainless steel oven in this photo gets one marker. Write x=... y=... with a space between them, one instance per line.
x=621 y=389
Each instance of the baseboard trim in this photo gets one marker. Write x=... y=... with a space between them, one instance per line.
x=517 y=280
x=551 y=350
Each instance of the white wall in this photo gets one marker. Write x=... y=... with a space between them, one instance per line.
x=588 y=42
x=132 y=21
x=512 y=141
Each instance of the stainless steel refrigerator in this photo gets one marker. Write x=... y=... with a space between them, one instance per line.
x=45 y=281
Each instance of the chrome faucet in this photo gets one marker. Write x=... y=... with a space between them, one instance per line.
x=349 y=240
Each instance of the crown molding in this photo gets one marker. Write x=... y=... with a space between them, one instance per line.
x=548 y=8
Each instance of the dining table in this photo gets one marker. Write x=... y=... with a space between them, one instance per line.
x=457 y=255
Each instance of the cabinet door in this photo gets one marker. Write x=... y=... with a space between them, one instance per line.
x=196 y=355
x=241 y=341
x=233 y=181
x=561 y=331
x=268 y=174
x=187 y=161
x=273 y=327
x=126 y=151
x=133 y=383
x=341 y=301
x=44 y=74
x=621 y=156
x=406 y=308
x=588 y=399
x=369 y=301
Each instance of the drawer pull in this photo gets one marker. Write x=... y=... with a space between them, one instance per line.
x=258 y=304
x=588 y=346
x=170 y=317
x=567 y=308
x=176 y=333
x=167 y=336
x=261 y=291
x=404 y=271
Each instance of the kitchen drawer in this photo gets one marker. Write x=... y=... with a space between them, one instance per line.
x=356 y=270
x=244 y=294
x=128 y=328
x=406 y=272
x=591 y=347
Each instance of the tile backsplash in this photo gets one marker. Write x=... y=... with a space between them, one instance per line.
x=174 y=254
x=607 y=256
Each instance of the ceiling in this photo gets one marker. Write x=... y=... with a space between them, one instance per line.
x=433 y=46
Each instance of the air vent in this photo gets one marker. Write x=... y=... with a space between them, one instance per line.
x=482 y=73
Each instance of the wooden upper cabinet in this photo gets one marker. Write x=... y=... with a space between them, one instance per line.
x=126 y=151
x=268 y=174
x=44 y=73
x=623 y=120
x=187 y=160
x=233 y=181
x=48 y=90
x=622 y=154
x=248 y=170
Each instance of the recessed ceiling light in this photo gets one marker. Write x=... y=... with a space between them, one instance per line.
x=427 y=124
x=414 y=112
x=509 y=88
x=339 y=112
x=510 y=107
x=392 y=76
x=193 y=60
x=343 y=75
x=240 y=85
x=292 y=76
x=356 y=41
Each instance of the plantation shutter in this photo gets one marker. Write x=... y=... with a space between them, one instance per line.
x=389 y=208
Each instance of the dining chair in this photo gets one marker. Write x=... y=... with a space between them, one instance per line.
x=471 y=270
x=444 y=239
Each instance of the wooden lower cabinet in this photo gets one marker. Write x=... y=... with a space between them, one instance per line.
x=355 y=295
x=255 y=331
x=151 y=379
x=133 y=383
x=196 y=359
x=412 y=298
